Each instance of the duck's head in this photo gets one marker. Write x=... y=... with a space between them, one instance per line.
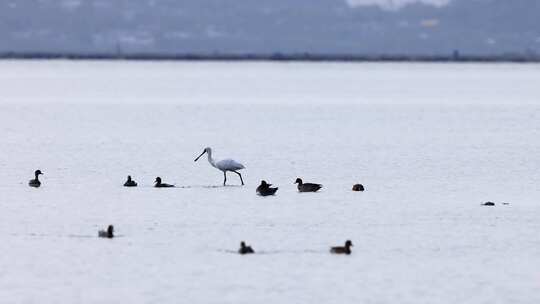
x=348 y=243
x=110 y=230
x=264 y=183
x=242 y=244
x=38 y=172
x=206 y=150
x=129 y=178
x=298 y=181
x=158 y=180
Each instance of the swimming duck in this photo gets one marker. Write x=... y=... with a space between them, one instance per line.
x=342 y=249
x=488 y=204
x=307 y=187
x=245 y=249
x=358 y=187
x=35 y=182
x=130 y=182
x=107 y=233
x=265 y=190
x=159 y=184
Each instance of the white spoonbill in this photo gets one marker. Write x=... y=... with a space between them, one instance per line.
x=223 y=165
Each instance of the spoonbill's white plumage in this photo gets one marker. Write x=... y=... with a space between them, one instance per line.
x=223 y=165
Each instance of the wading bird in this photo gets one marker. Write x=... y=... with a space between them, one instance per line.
x=223 y=165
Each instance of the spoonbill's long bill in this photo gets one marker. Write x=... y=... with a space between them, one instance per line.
x=223 y=165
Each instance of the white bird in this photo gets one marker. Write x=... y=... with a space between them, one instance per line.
x=223 y=165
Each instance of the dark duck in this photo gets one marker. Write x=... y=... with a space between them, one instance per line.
x=358 y=187
x=244 y=249
x=264 y=189
x=109 y=233
x=130 y=182
x=342 y=249
x=159 y=184
x=35 y=182
x=307 y=187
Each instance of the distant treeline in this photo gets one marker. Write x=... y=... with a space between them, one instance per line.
x=456 y=57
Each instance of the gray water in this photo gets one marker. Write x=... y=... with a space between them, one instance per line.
x=429 y=142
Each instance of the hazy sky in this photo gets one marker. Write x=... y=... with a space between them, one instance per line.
x=393 y=4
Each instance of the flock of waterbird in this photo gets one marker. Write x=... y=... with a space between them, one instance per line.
x=225 y=165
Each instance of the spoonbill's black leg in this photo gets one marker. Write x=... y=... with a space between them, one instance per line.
x=225 y=177
x=240 y=177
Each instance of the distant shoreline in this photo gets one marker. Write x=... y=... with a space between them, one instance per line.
x=303 y=57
